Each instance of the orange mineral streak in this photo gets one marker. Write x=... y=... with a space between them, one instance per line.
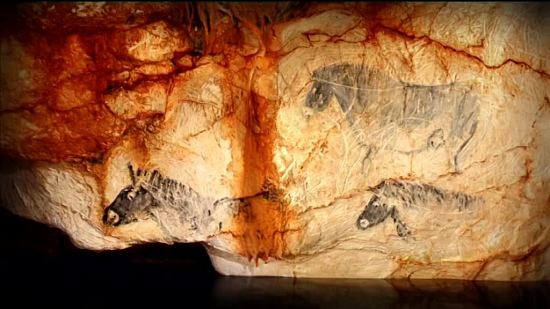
x=83 y=133
x=261 y=224
x=67 y=62
x=260 y=228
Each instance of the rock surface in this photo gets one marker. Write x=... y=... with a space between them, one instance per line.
x=307 y=140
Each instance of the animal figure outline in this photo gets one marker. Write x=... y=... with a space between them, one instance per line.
x=393 y=196
x=150 y=192
x=367 y=96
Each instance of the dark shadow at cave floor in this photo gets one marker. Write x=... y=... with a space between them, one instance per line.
x=39 y=265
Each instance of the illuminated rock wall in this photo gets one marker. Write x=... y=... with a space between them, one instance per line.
x=320 y=140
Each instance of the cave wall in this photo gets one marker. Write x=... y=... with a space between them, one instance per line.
x=310 y=140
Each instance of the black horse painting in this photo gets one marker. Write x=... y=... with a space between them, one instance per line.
x=371 y=100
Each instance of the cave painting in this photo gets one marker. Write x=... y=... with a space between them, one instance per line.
x=153 y=196
x=378 y=108
x=392 y=196
x=159 y=198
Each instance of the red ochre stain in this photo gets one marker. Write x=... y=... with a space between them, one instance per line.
x=76 y=63
x=260 y=228
x=261 y=223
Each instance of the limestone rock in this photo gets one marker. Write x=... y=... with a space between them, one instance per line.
x=328 y=140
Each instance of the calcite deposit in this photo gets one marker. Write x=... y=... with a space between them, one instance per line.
x=357 y=140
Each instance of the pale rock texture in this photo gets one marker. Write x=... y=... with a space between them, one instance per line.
x=329 y=140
